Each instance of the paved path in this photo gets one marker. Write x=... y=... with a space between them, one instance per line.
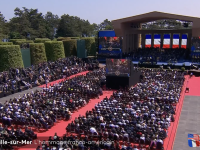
x=7 y=98
x=189 y=123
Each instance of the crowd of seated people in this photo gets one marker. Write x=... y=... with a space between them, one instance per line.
x=16 y=135
x=159 y=55
x=19 y=79
x=41 y=109
x=140 y=115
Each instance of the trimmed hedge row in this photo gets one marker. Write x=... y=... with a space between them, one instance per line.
x=10 y=57
x=6 y=43
x=90 y=45
x=38 y=54
x=54 y=50
x=15 y=40
x=23 y=42
x=41 y=40
x=70 y=47
x=63 y=38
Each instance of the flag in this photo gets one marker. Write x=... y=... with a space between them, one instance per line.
x=166 y=41
x=175 y=41
x=184 y=41
x=157 y=40
x=193 y=140
x=148 y=41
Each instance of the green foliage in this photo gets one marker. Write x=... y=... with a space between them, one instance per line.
x=41 y=40
x=75 y=38
x=10 y=57
x=70 y=47
x=6 y=43
x=38 y=54
x=183 y=69
x=54 y=50
x=16 y=40
x=90 y=45
x=63 y=38
x=4 y=31
x=23 y=42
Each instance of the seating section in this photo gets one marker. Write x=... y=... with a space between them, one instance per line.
x=137 y=117
x=16 y=80
x=41 y=109
x=16 y=135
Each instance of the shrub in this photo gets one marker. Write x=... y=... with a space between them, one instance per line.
x=38 y=54
x=70 y=47
x=54 y=50
x=88 y=45
x=183 y=69
x=41 y=40
x=23 y=42
x=10 y=57
x=6 y=43
x=63 y=38
x=15 y=40
x=75 y=38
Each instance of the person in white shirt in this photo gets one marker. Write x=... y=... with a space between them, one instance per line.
x=93 y=130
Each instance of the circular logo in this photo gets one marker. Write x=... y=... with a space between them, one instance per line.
x=117 y=73
x=110 y=48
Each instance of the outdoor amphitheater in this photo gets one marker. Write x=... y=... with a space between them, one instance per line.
x=140 y=91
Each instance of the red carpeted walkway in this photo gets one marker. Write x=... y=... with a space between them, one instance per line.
x=169 y=141
x=60 y=80
x=193 y=85
x=59 y=128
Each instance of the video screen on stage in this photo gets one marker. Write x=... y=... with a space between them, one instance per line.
x=109 y=42
x=119 y=67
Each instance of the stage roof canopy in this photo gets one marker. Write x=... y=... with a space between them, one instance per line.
x=153 y=16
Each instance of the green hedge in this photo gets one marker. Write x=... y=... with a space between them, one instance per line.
x=10 y=57
x=63 y=38
x=75 y=38
x=89 y=45
x=41 y=40
x=6 y=43
x=70 y=47
x=54 y=50
x=38 y=54
x=23 y=42
x=15 y=40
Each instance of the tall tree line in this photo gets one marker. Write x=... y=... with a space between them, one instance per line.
x=31 y=24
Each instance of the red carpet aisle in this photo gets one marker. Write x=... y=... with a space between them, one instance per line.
x=60 y=80
x=59 y=128
x=169 y=141
x=193 y=85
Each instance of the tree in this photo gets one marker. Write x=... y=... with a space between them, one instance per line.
x=28 y=22
x=3 y=27
x=51 y=24
x=105 y=25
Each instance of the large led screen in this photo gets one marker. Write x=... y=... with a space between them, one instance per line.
x=118 y=67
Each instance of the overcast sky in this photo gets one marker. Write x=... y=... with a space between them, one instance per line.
x=97 y=10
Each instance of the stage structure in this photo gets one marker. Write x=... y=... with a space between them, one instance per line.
x=120 y=73
x=135 y=36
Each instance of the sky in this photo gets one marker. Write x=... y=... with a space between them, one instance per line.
x=98 y=10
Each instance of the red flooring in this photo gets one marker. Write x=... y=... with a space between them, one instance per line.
x=60 y=80
x=193 y=85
